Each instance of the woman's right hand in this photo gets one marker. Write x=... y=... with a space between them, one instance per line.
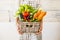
x=18 y=28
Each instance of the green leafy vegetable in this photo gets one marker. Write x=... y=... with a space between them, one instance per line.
x=29 y=9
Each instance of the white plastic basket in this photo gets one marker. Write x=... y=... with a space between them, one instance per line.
x=30 y=26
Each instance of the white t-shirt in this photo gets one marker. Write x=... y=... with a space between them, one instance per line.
x=28 y=36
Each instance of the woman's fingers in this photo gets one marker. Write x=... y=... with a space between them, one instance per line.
x=37 y=33
x=20 y=32
x=39 y=30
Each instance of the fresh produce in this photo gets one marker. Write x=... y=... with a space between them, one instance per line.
x=24 y=18
x=37 y=14
x=17 y=13
x=41 y=15
x=28 y=17
x=27 y=13
x=21 y=8
x=28 y=8
x=21 y=16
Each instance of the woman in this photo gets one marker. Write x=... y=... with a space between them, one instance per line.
x=27 y=36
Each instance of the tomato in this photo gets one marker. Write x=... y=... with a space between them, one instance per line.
x=25 y=14
x=24 y=18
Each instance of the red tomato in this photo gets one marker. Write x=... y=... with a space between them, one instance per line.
x=24 y=18
x=25 y=14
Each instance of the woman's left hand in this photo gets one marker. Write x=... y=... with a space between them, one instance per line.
x=37 y=33
x=39 y=30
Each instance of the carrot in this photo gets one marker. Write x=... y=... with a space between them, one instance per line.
x=36 y=14
x=41 y=15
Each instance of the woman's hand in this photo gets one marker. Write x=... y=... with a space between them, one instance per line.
x=19 y=31
x=18 y=27
x=39 y=30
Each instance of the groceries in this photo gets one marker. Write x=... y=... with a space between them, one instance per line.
x=29 y=14
x=37 y=14
x=42 y=14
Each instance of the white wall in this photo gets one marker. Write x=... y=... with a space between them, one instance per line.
x=8 y=31
x=7 y=9
x=50 y=4
x=4 y=16
x=51 y=31
x=51 y=25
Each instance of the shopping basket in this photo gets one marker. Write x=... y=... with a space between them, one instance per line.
x=31 y=27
